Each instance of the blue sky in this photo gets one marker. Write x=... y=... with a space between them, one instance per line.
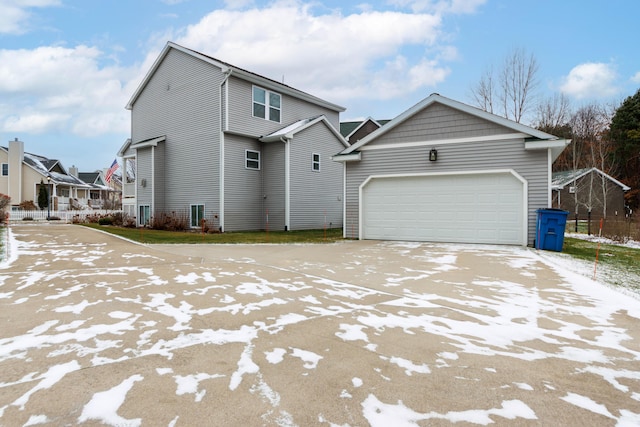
x=68 y=67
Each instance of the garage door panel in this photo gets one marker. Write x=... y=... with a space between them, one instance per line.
x=473 y=208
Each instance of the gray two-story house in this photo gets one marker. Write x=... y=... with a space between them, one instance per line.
x=214 y=142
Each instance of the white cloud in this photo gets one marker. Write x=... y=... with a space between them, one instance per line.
x=14 y=14
x=440 y=6
x=334 y=56
x=636 y=77
x=62 y=89
x=590 y=80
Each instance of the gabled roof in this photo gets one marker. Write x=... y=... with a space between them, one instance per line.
x=560 y=180
x=288 y=132
x=347 y=129
x=89 y=177
x=231 y=70
x=94 y=180
x=541 y=139
x=50 y=167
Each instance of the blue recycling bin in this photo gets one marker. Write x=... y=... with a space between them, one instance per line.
x=550 y=227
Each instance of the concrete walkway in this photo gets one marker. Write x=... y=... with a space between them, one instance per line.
x=96 y=330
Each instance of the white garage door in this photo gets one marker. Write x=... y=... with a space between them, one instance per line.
x=461 y=208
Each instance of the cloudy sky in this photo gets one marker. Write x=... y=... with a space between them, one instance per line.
x=68 y=67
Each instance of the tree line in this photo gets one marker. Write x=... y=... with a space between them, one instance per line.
x=605 y=136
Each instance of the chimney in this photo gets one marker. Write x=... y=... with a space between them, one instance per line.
x=16 y=157
x=73 y=171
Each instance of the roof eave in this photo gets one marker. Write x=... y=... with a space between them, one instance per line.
x=158 y=61
x=277 y=87
x=349 y=157
x=433 y=98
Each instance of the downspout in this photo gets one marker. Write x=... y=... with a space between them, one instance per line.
x=287 y=183
x=344 y=200
x=153 y=181
x=223 y=126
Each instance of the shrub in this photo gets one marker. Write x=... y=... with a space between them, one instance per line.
x=93 y=219
x=28 y=205
x=4 y=202
x=170 y=222
x=27 y=218
x=106 y=220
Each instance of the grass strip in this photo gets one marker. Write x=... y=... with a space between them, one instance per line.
x=145 y=235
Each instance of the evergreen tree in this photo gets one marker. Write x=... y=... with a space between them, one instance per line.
x=43 y=196
x=625 y=132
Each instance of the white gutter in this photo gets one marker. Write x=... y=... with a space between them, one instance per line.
x=153 y=180
x=223 y=127
x=287 y=183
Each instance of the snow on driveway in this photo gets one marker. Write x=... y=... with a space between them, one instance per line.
x=97 y=330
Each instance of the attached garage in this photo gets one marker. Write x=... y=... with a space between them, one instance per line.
x=443 y=171
x=469 y=207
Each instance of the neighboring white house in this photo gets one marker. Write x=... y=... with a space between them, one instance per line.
x=23 y=174
x=444 y=171
x=222 y=144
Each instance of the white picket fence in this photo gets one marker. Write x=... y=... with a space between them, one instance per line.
x=59 y=216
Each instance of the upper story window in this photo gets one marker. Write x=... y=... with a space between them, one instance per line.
x=252 y=159
x=315 y=162
x=5 y=169
x=266 y=105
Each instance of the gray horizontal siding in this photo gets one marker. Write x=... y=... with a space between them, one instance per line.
x=241 y=118
x=273 y=172
x=485 y=155
x=243 y=198
x=315 y=195
x=143 y=172
x=440 y=122
x=182 y=101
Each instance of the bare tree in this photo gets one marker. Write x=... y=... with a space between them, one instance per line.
x=513 y=87
x=484 y=92
x=553 y=113
x=518 y=81
x=592 y=148
x=130 y=171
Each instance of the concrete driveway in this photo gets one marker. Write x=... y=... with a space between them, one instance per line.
x=96 y=330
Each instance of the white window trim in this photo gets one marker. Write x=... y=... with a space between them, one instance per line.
x=141 y=220
x=247 y=159
x=2 y=169
x=267 y=105
x=190 y=212
x=314 y=162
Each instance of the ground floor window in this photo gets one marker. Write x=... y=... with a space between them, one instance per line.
x=252 y=159
x=145 y=215
x=197 y=215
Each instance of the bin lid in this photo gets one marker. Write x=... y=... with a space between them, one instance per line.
x=553 y=210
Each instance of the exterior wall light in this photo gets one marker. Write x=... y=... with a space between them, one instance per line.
x=433 y=155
